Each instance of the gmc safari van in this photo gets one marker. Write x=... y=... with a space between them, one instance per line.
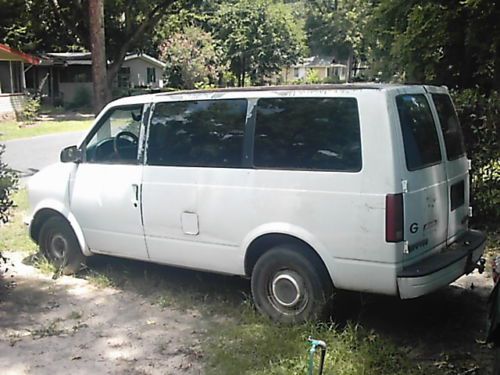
x=303 y=189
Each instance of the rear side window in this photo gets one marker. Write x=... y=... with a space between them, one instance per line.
x=450 y=126
x=207 y=133
x=419 y=131
x=308 y=133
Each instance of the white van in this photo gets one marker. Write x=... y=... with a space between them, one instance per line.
x=305 y=189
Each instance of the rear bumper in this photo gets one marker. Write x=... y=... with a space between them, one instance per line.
x=442 y=268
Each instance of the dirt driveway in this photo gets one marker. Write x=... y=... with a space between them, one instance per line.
x=146 y=323
x=69 y=326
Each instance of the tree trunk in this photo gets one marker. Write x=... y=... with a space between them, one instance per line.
x=243 y=71
x=349 y=66
x=97 y=47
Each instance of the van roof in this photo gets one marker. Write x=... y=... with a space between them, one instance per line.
x=345 y=86
x=340 y=86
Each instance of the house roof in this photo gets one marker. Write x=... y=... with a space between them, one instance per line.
x=10 y=54
x=67 y=58
x=146 y=58
x=85 y=58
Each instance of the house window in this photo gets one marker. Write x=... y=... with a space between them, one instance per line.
x=124 y=77
x=151 y=74
x=10 y=77
x=76 y=74
x=296 y=72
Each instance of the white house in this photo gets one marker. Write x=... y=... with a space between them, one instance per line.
x=63 y=76
x=323 y=67
x=141 y=70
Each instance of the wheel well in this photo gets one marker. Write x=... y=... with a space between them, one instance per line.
x=41 y=217
x=267 y=241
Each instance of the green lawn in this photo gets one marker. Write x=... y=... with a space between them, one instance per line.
x=13 y=129
x=14 y=234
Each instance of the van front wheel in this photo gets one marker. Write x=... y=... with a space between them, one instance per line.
x=290 y=285
x=60 y=246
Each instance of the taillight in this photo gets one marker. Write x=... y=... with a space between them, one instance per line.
x=394 y=217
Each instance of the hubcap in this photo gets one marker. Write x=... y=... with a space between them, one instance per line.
x=58 y=246
x=287 y=289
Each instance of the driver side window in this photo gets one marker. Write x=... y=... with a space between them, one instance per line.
x=116 y=138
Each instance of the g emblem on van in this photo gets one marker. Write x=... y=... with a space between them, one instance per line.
x=414 y=228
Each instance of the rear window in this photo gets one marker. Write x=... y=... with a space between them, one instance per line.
x=450 y=126
x=308 y=133
x=419 y=131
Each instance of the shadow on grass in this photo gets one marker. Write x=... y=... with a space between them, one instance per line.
x=450 y=317
x=169 y=286
x=441 y=332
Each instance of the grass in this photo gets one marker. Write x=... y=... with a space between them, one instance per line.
x=13 y=130
x=99 y=279
x=253 y=345
x=14 y=234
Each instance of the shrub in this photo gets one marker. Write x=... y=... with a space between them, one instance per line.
x=480 y=118
x=31 y=109
x=8 y=183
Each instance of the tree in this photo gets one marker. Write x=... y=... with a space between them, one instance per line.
x=258 y=38
x=338 y=28
x=97 y=46
x=456 y=43
x=192 y=59
x=65 y=26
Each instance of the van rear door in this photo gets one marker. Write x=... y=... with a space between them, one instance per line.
x=424 y=182
x=456 y=163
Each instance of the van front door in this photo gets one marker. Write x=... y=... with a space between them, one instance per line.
x=425 y=187
x=105 y=188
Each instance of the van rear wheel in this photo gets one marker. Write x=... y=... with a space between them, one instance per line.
x=58 y=243
x=291 y=286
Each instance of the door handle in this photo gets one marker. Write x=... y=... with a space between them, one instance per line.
x=135 y=195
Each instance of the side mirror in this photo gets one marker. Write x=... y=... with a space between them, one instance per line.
x=71 y=154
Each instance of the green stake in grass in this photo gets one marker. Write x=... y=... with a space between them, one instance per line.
x=312 y=352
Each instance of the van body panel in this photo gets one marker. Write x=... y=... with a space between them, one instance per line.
x=458 y=175
x=425 y=191
x=456 y=166
x=101 y=197
x=365 y=276
x=442 y=268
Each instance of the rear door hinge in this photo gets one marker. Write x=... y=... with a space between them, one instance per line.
x=406 y=248
x=404 y=186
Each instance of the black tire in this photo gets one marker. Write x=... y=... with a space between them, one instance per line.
x=291 y=285
x=60 y=246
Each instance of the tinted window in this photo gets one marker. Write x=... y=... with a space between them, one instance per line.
x=419 y=131
x=308 y=133
x=197 y=133
x=450 y=126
